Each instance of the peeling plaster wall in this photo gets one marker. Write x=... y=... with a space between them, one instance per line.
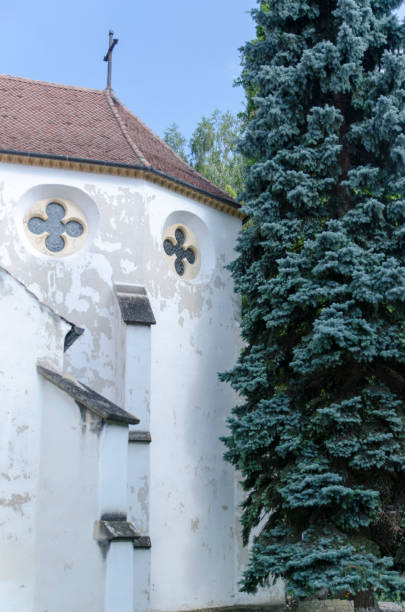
x=70 y=565
x=61 y=468
x=195 y=561
x=29 y=332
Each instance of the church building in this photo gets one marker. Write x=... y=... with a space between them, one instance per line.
x=117 y=313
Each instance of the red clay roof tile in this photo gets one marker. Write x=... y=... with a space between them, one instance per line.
x=86 y=124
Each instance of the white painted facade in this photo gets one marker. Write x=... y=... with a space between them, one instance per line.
x=62 y=470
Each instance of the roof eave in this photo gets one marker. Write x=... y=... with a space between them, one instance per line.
x=225 y=204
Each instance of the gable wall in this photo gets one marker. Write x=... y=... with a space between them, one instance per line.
x=28 y=332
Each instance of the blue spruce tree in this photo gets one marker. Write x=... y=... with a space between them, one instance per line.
x=319 y=435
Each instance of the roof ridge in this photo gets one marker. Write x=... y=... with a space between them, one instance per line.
x=49 y=83
x=169 y=148
x=89 y=125
x=163 y=142
x=124 y=130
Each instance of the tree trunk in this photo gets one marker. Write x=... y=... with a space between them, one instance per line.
x=365 y=602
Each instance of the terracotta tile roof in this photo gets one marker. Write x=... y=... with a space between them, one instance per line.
x=86 y=125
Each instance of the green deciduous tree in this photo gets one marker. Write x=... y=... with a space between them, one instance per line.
x=213 y=149
x=176 y=140
x=319 y=436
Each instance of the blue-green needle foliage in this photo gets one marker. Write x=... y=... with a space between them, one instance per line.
x=319 y=435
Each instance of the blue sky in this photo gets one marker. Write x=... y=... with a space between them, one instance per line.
x=175 y=61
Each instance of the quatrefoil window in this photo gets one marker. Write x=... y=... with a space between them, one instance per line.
x=178 y=250
x=180 y=247
x=56 y=227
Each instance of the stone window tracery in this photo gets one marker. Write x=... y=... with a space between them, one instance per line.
x=182 y=251
x=178 y=250
x=55 y=227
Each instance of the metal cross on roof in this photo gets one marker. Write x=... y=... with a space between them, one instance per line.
x=108 y=56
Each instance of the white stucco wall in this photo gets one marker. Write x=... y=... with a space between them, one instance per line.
x=29 y=332
x=195 y=550
x=70 y=565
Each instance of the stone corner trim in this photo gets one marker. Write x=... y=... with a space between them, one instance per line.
x=72 y=335
x=141 y=437
x=119 y=530
x=87 y=398
x=134 y=304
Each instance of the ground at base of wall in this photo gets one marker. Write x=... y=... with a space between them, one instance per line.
x=388 y=606
x=325 y=605
x=328 y=605
x=263 y=608
x=339 y=605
